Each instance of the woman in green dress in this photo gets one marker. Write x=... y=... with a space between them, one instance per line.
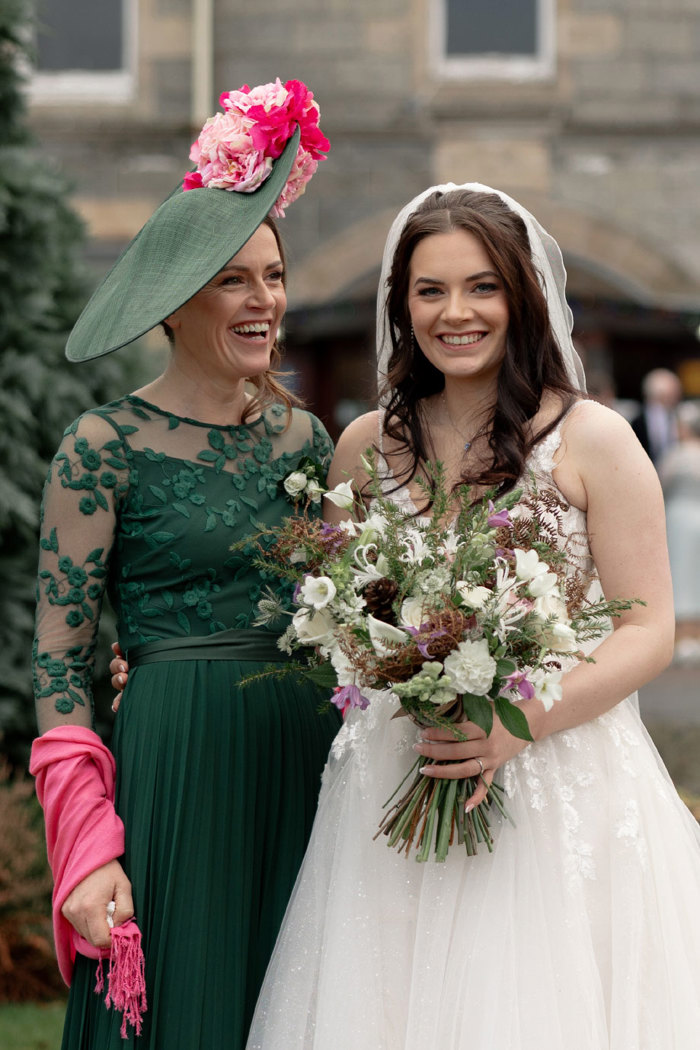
x=216 y=785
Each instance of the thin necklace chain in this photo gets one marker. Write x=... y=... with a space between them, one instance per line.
x=468 y=441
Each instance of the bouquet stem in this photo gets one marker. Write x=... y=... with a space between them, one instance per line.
x=431 y=814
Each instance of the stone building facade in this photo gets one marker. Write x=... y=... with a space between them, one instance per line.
x=588 y=111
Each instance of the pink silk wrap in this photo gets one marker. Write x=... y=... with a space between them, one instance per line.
x=75 y=785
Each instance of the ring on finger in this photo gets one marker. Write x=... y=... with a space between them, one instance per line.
x=481 y=766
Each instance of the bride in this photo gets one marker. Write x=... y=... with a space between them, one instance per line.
x=582 y=929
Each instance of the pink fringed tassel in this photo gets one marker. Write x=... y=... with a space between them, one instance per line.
x=126 y=980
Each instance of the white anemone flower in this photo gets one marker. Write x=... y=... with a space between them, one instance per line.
x=550 y=606
x=543 y=585
x=351 y=527
x=341 y=496
x=547 y=686
x=474 y=597
x=528 y=564
x=558 y=636
x=313 y=627
x=373 y=528
x=414 y=612
x=317 y=591
x=384 y=637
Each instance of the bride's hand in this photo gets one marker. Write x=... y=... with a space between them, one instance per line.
x=478 y=756
x=119 y=670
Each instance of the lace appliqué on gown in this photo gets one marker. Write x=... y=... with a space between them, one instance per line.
x=147 y=505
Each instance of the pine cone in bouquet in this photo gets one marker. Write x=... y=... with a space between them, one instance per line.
x=379 y=596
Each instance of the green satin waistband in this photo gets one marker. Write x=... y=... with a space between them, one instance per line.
x=223 y=645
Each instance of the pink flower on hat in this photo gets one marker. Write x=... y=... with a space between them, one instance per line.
x=226 y=156
x=303 y=168
x=236 y=148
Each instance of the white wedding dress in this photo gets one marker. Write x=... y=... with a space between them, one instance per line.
x=581 y=931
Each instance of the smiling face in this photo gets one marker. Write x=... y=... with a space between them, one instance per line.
x=228 y=328
x=457 y=305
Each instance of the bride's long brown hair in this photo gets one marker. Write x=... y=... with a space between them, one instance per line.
x=532 y=363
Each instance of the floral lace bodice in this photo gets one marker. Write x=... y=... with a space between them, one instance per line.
x=146 y=505
x=538 y=471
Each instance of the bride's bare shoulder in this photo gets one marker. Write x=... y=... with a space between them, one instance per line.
x=551 y=407
x=363 y=428
x=592 y=422
x=358 y=436
x=581 y=416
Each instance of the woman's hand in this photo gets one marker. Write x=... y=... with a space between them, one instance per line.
x=86 y=907
x=478 y=756
x=119 y=670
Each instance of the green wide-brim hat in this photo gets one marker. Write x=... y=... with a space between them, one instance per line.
x=191 y=236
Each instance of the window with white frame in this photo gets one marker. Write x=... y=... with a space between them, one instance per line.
x=507 y=39
x=84 y=51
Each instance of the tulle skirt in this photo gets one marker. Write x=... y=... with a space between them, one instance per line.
x=217 y=788
x=580 y=932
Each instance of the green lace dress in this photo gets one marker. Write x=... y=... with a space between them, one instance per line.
x=217 y=785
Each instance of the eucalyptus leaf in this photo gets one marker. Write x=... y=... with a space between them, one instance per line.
x=322 y=675
x=479 y=710
x=505 y=668
x=512 y=718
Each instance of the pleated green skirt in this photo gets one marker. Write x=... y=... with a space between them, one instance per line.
x=217 y=787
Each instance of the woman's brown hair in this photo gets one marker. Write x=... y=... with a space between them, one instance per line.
x=532 y=363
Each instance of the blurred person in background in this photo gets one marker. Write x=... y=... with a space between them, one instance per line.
x=601 y=388
x=679 y=471
x=656 y=425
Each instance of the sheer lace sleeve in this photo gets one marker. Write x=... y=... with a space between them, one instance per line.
x=323 y=446
x=87 y=480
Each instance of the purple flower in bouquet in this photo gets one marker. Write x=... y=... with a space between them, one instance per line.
x=497 y=518
x=519 y=680
x=334 y=535
x=347 y=697
x=423 y=636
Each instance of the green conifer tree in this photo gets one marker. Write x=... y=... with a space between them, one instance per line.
x=43 y=287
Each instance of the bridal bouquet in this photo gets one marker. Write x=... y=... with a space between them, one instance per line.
x=460 y=614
